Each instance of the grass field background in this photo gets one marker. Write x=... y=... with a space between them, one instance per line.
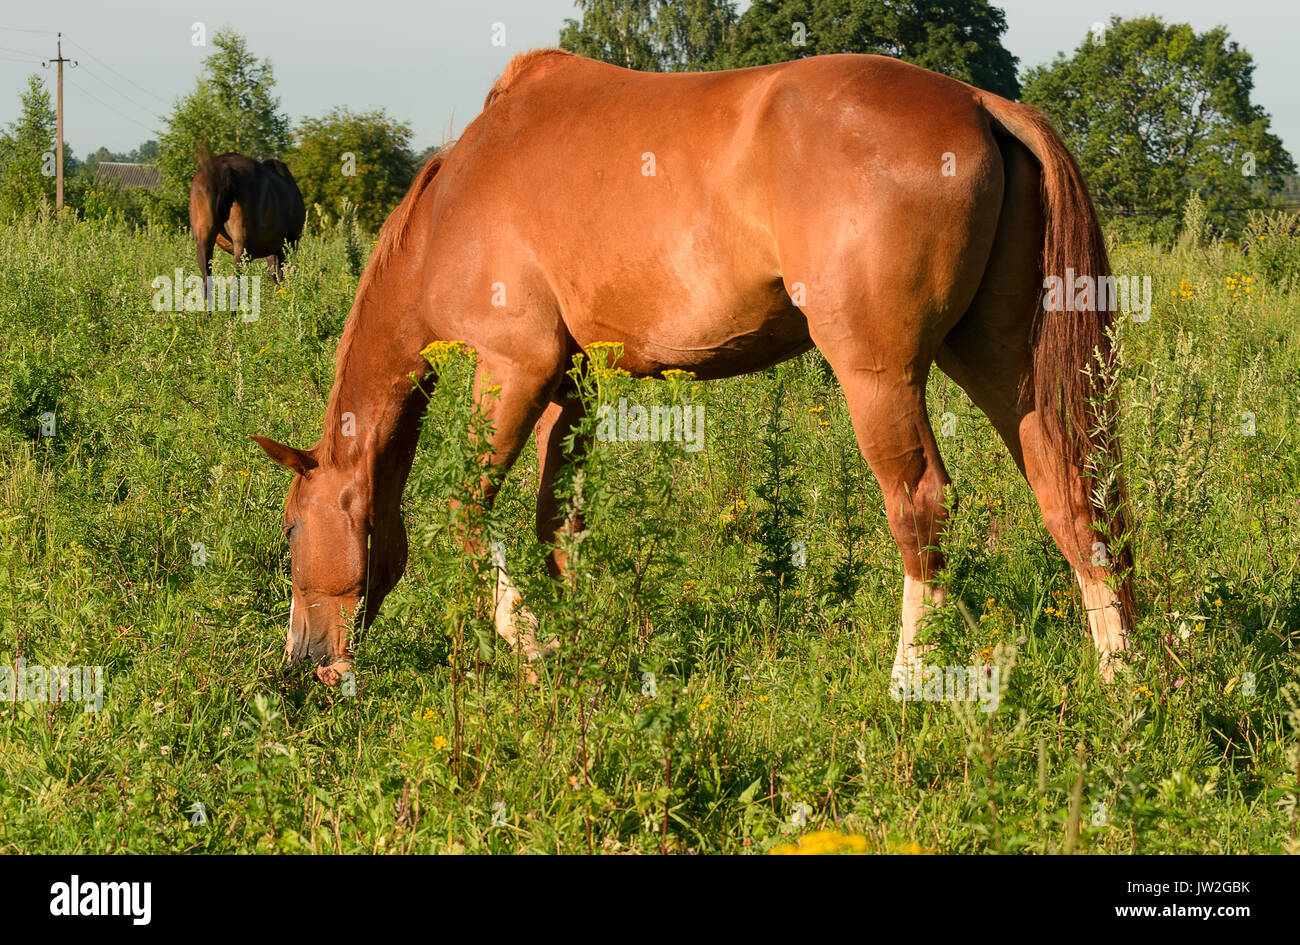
x=709 y=698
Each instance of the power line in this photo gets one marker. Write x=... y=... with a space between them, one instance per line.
x=15 y=29
x=118 y=74
x=25 y=52
x=112 y=88
x=111 y=108
x=9 y=59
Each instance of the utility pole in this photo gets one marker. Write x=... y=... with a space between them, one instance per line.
x=58 y=140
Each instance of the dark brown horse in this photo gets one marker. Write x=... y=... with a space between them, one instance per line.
x=244 y=206
x=719 y=223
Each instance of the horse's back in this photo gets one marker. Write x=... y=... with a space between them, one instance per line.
x=674 y=212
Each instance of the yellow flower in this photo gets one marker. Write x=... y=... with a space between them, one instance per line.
x=603 y=355
x=674 y=372
x=439 y=743
x=438 y=353
x=823 y=843
x=705 y=703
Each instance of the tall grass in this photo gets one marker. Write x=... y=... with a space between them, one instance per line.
x=712 y=693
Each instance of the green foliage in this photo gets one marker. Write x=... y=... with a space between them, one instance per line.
x=1273 y=240
x=960 y=38
x=364 y=158
x=233 y=108
x=683 y=710
x=776 y=491
x=1158 y=109
x=651 y=35
x=23 y=149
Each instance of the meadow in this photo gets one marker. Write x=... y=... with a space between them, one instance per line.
x=715 y=693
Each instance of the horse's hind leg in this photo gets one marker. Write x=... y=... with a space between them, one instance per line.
x=205 y=237
x=557 y=422
x=893 y=431
x=884 y=386
x=976 y=358
x=987 y=354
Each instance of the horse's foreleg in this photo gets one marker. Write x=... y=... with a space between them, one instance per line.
x=237 y=232
x=511 y=405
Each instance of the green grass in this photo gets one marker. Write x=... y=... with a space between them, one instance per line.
x=770 y=715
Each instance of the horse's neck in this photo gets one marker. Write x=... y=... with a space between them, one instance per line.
x=373 y=419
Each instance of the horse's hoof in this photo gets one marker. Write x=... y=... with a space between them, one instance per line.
x=332 y=674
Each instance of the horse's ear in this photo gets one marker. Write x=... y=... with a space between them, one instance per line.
x=300 y=461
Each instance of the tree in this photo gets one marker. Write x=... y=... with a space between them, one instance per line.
x=232 y=108
x=1154 y=111
x=365 y=158
x=960 y=38
x=652 y=35
x=27 y=153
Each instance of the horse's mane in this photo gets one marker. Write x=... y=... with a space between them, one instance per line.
x=392 y=239
x=515 y=68
x=396 y=232
x=397 y=227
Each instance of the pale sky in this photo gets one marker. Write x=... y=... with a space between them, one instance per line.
x=430 y=63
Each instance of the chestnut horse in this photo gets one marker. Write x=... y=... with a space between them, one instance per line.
x=244 y=206
x=720 y=223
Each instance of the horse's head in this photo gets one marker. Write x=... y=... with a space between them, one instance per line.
x=343 y=550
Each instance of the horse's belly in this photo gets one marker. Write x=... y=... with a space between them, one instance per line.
x=709 y=341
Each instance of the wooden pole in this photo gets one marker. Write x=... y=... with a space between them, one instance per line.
x=58 y=140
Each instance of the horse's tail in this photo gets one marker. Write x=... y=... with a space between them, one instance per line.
x=1071 y=349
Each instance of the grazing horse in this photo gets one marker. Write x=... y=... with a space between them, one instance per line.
x=722 y=222
x=244 y=206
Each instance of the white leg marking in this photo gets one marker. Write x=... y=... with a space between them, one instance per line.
x=515 y=623
x=1105 y=621
x=918 y=599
